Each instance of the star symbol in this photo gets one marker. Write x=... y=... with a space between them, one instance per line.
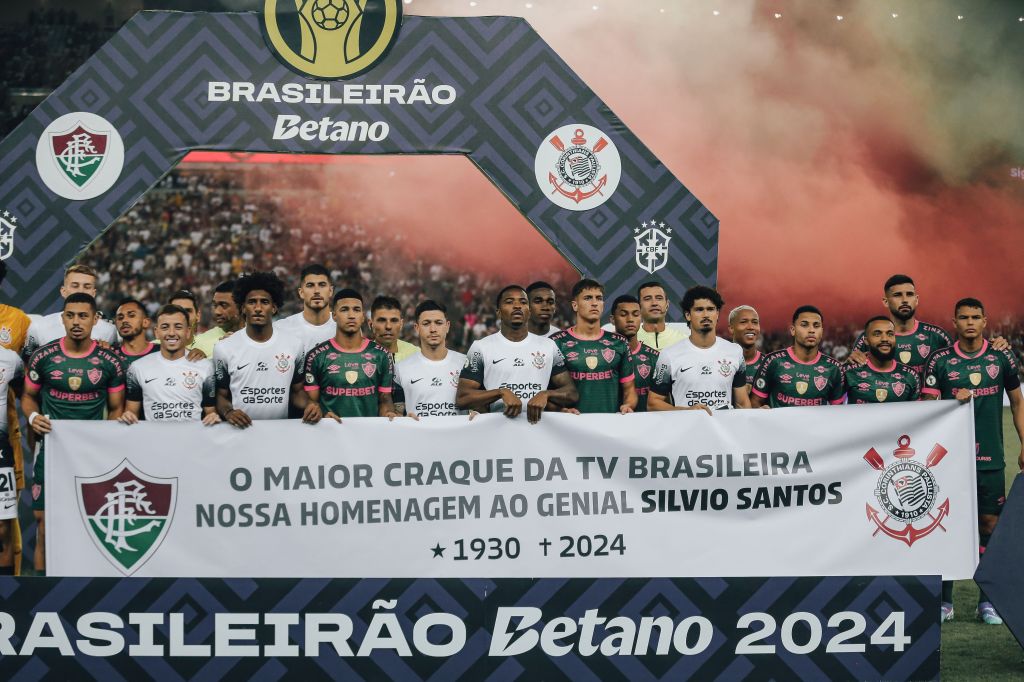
x=7 y=214
x=643 y=224
x=653 y=222
x=636 y=230
x=661 y=225
x=438 y=551
x=668 y=231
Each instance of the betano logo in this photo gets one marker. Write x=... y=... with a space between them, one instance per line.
x=332 y=38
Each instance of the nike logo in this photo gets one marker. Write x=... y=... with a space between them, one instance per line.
x=241 y=367
x=685 y=369
x=494 y=362
x=149 y=380
x=413 y=381
x=9 y=505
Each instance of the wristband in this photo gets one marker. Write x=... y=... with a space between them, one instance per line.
x=32 y=418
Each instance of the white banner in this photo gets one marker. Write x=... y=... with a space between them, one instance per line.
x=853 y=490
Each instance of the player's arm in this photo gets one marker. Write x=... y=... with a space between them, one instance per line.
x=385 y=385
x=30 y=406
x=760 y=389
x=225 y=403
x=629 y=397
x=740 y=395
x=132 y=397
x=627 y=371
x=471 y=395
x=132 y=412
x=563 y=392
x=858 y=354
x=115 y=402
x=659 y=397
x=385 y=405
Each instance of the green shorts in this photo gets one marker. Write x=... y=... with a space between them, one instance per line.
x=991 y=491
x=37 y=483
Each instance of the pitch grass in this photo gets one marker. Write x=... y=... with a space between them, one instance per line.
x=970 y=649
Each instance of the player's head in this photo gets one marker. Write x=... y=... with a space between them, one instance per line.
x=745 y=326
x=626 y=315
x=315 y=288
x=131 y=319
x=701 y=307
x=79 y=278
x=653 y=302
x=808 y=327
x=969 y=318
x=259 y=295
x=513 y=306
x=588 y=300
x=542 y=302
x=880 y=336
x=225 y=310
x=386 y=320
x=900 y=297
x=432 y=324
x=183 y=298
x=173 y=328
x=347 y=310
x=79 y=315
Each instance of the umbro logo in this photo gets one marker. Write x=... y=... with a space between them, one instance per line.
x=519 y=363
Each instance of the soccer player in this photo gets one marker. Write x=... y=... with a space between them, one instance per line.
x=599 y=361
x=654 y=331
x=165 y=383
x=11 y=383
x=77 y=279
x=70 y=378
x=881 y=379
x=226 y=318
x=386 y=324
x=350 y=375
x=626 y=321
x=425 y=383
x=314 y=324
x=702 y=372
x=256 y=369
x=800 y=374
x=972 y=367
x=132 y=324
x=745 y=329
x=506 y=369
x=542 y=308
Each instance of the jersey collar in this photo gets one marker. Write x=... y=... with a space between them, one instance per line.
x=984 y=347
x=86 y=354
x=334 y=342
x=800 y=362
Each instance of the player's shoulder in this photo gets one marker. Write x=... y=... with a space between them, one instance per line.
x=648 y=351
x=320 y=348
x=941 y=355
x=617 y=339
x=1007 y=355
x=374 y=347
x=560 y=336
x=774 y=356
x=934 y=329
x=727 y=347
x=109 y=355
x=905 y=372
x=47 y=349
x=827 y=359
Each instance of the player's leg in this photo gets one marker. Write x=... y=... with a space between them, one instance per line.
x=991 y=495
x=8 y=506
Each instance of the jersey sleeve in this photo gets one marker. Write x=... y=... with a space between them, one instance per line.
x=310 y=371
x=838 y=391
x=739 y=379
x=133 y=386
x=31 y=343
x=931 y=376
x=34 y=372
x=762 y=379
x=209 y=397
x=397 y=393
x=914 y=384
x=860 y=344
x=1011 y=371
x=386 y=371
x=627 y=372
x=299 y=374
x=18 y=377
x=474 y=368
x=661 y=383
x=117 y=374
x=944 y=335
x=558 y=365
x=222 y=378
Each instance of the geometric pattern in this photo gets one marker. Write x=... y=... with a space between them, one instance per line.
x=150 y=81
x=475 y=601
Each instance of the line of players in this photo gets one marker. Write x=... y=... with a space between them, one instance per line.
x=318 y=363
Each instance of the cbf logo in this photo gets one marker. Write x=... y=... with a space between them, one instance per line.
x=8 y=224
x=331 y=38
x=127 y=513
x=578 y=167
x=907 y=491
x=80 y=156
x=652 y=245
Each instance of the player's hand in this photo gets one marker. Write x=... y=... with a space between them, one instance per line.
x=699 y=406
x=238 y=419
x=513 y=405
x=963 y=395
x=195 y=355
x=41 y=424
x=413 y=416
x=626 y=409
x=211 y=419
x=105 y=345
x=312 y=414
x=856 y=358
x=570 y=410
x=391 y=414
x=999 y=343
x=128 y=418
x=535 y=408
x=1020 y=459
x=472 y=413
x=331 y=415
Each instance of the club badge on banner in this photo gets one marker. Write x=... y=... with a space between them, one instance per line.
x=855 y=490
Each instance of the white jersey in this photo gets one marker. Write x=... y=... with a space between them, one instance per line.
x=259 y=375
x=695 y=375
x=524 y=367
x=50 y=327
x=428 y=386
x=11 y=370
x=171 y=390
x=312 y=335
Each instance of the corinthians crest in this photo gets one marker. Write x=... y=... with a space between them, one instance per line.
x=652 y=246
x=907 y=492
x=8 y=224
x=578 y=166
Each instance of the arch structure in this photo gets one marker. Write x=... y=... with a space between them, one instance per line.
x=490 y=88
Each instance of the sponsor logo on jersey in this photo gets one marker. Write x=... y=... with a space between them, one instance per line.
x=283 y=362
x=436 y=381
x=785 y=378
x=74 y=383
x=333 y=369
x=351 y=376
x=8 y=224
x=705 y=371
x=905 y=356
x=572 y=356
x=881 y=394
x=608 y=354
x=801 y=387
x=992 y=370
x=820 y=383
x=80 y=155
x=170 y=382
x=954 y=376
x=540 y=359
x=262 y=367
x=55 y=375
x=578 y=167
x=518 y=362
x=591 y=362
x=126 y=513
x=331 y=38
x=907 y=492
x=369 y=369
x=652 y=246
x=975 y=378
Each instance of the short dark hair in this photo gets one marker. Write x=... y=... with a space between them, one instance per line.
x=385 y=303
x=131 y=301
x=896 y=280
x=171 y=309
x=259 y=281
x=314 y=269
x=693 y=294
x=429 y=305
x=625 y=298
x=876 y=318
x=807 y=309
x=648 y=285
x=539 y=284
x=506 y=288
x=346 y=293
x=968 y=302
x=185 y=294
x=80 y=297
x=225 y=287
x=585 y=284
